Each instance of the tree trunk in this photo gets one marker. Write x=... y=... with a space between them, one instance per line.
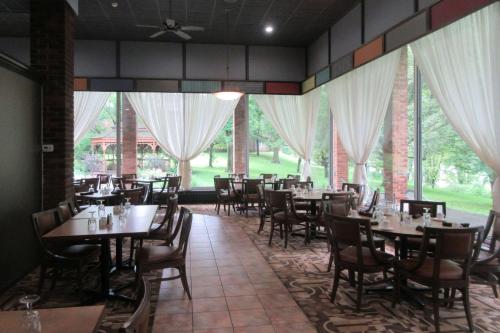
x=276 y=155
x=211 y=156
x=257 y=149
x=299 y=162
x=229 y=167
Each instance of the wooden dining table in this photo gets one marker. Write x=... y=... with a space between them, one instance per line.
x=97 y=196
x=149 y=183
x=137 y=224
x=81 y=319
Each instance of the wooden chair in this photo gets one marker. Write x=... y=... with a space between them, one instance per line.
x=158 y=231
x=136 y=195
x=368 y=210
x=284 y=216
x=118 y=182
x=102 y=178
x=59 y=256
x=263 y=207
x=127 y=179
x=164 y=256
x=290 y=176
x=65 y=211
x=448 y=267
x=249 y=195
x=416 y=209
x=358 y=188
x=225 y=194
x=486 y=266
x=169 y=188
x=236 y=175
x=355 y=254
x=139 y=321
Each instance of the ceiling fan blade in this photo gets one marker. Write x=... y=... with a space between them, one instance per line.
x=182 y=34
x=170 y=22
x=147 y=26
x=156 y=34
x=192 y=28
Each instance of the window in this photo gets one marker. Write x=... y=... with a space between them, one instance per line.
x=269 y=153
x=97 y=151
x=452 y=172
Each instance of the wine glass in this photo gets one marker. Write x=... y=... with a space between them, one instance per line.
x=92 y=222
x=31 y=321
x=128 y=205
x=101 y=209
x=91 y=188
x=28 y=301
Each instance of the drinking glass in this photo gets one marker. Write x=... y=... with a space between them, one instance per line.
x=427 y=217
x=128 y=205
x=101 y=209
x=440 y=215
x=31 y=321
x=92 y=222
x=91 y=188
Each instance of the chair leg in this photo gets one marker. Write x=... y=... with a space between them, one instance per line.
x=43 y=271
x=335 y=286
x=395 y=294
x=435 y=308
x=182 y=271
x=218 y=208
x=352 y=281
x=468 y=314
x=307 y=231
x=131 y=254
x=271 y=233
x=330 y=262
x=360 y=292
x=246 y=209
x=286 y=236
x=228 y=208
x=262 y=221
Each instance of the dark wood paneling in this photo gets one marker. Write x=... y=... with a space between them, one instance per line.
x=406 y=32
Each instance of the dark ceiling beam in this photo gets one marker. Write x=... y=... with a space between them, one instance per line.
x=212 y=15
x=106 y=15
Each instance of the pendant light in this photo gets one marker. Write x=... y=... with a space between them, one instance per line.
x=227 y=95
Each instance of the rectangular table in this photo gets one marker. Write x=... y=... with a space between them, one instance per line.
x=149 y=183
x=137 y=225
x=81 y=319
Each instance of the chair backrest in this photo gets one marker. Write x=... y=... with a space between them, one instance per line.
x=184 y=226
x=347 y=231
x=102 y=179
x=135 y=195
x=173 y=184
x=492 y=230
x=250 y=186
x=279 y=201
x=129 y=175
x=296 y=177
x=458 y=244
x=169 y=216
x=267 y=176
x=91 y=181
x=289 y=182
x=222 y=184
x=145 y=193
x=261 y=193
x=139 y=321
x=64 y=211
x=338 y=204
x=236 y=175
x=44 y=222
x=416 y=207
x=118 y=182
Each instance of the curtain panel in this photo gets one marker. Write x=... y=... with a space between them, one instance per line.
x=183 y=124
x=87 y=105
x=295 y=120
x=461 y=66
x=358 y=102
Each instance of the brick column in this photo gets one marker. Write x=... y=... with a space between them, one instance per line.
x=396 y=134
x=240 y=136
x=52 y=26
x=129 y=138
x=340 y=162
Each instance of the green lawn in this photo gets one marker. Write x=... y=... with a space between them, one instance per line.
x=203 y=175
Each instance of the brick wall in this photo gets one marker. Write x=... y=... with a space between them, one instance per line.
x=52 y=26
x=240 y=136
x=396 y=134
x=129 y=138
x=340 y=162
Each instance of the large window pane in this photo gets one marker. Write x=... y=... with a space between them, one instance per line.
x=451 y=171
x=268 y=152
x=96 y=152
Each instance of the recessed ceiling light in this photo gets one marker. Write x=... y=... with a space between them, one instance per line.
x=114 y=4
x=269 y=29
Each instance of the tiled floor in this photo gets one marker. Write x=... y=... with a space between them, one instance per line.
x=234 y=289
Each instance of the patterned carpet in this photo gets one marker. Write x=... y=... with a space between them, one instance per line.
x=65 y=293
x=302 y=269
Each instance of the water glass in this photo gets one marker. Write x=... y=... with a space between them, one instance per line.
x=427 y=217
x=31 y=320
x=101 y=209
x=92 y=222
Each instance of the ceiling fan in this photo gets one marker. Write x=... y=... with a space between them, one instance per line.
x=170 y=25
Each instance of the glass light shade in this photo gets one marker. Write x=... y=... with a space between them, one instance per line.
x=228 y=95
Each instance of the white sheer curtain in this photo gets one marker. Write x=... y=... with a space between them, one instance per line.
x=87 y=105
x=461 y=65
x=183 y=124
x=295 y=119
x=358 y=101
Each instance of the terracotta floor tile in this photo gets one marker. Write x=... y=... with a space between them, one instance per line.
x=277 y=300
x=253 y=317
x=254 y=329
x=173 y=322
x=228 y=262
x=216 y=330
x=205 y=281
x=232 y=270
x=206 y=320
x=209 y=304
x=203 y=271
x=286 y=315
x=203 y=263
x=269 y=288
x=238 y=290
x=170 y=294
x=205 y=292
x=176 y=306
x=243 y=302
x=234 y=279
